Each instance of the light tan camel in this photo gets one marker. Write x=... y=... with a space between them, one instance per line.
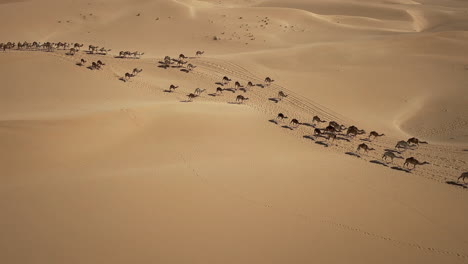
x=415 y=141
x=281 y=116
x=100 y=63
x=250 y=85
x=317 y=119
x=136 y=71
x=414 y=162
x=375 y=134
x=281 y=95
x=199 y=53
x=364 y=147
x=463 y=176
x=92 y=48
x=241 y=98
x=391 y=155
x=137 y=54
x=124 y=54
x=199 y=91
x=402 y=145
x=190 y=67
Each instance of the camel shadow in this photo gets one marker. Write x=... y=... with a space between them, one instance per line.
x=163 y=66
x=186 y=101
x=365 y=139
x=118 y=57
x=343 y=138
x=308 y=124
x=243 y=89
x=379 y=162
x=309 y=137
x=393 y=151
x=236 y=103
x=321 y=143
x=90 y=68
x=273 y=121
x=167 y=91
x=79 y=64
x=456 y=184
x=122 y=79
x=213 y=94
x=185 y=70
x=400 y=169
x=465 y=150
x=352 y=154
x=275 y=100
x=229 y=90
x=260 y=85
x=287 y=127
x=219 y=83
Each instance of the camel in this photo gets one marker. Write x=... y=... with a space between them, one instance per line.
x=250 y=84
x=103 y=51
x=77 y=46
x=180 y=63
x=190 y=67
x=402 y=145
x=226 y=80
x=172 y=88
x=268 y=81
x=331 y=129
x=337 y=126
x=72 y=51
x=191 y=96
x=237 y=85
x=199 y=53
x=100 y=63
x=414 y=162
x=137 y=54
x=124 y=54
x=317 y=132
x=219 y=90
x=375 y=134
x=415 y=141
x=199 y=91
x=182 y=56
x=331 y=136
x=241 y=99
x=92 y=48
x=281 y=95
x=317 y=119
x=281 y=116
x=463 y=176
x=136 y=71
x=295 y=122
x=354 y=131
x=82 y=62
x=364 y=147
x=95 y=66
x=127 y=76
x=391 y=155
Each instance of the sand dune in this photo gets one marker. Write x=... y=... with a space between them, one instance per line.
x=98 y=170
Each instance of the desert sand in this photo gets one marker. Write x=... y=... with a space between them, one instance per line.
x=95 y=169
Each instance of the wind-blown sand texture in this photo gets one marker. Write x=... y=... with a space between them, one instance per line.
x=99 y=170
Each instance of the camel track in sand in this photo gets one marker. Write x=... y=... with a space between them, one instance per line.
x=444 y=166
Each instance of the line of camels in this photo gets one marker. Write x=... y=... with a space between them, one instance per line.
x=329 y=132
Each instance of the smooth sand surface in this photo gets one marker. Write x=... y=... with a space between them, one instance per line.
x=97 y=170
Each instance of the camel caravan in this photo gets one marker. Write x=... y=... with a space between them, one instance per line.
x=130 y=55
